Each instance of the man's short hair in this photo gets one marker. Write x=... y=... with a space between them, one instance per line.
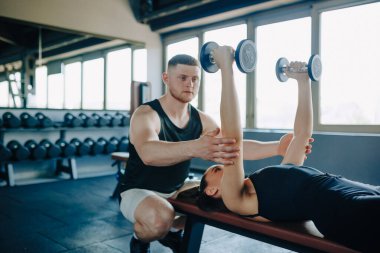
x=183 y=59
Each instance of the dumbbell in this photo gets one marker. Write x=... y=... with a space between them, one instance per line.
x=245 y=56
x=36 y=151
x=81 y=148
x=123 y=144
x=67 y=149
x=123 y=118
x=5 y=153
x=19 y=152
x=87 y=121
x=52 y=150
x=99 y=120
x=28 y=121
x=71 y=121
x=108 y=147
x=95 y=147
x=10 y=120
x=313 y=68
x=43 y=121
x=112 y=121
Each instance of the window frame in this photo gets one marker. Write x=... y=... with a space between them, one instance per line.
x=102 y=53
x=317 y=10
x=280 y=14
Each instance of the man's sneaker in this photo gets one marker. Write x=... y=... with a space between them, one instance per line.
x=173 y=240
x=137 y=246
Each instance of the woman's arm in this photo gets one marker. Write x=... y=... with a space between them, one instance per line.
x=303 y=123
x=232 y=184
x=255 y=150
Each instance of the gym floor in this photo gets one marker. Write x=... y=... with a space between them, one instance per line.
x=79 y=216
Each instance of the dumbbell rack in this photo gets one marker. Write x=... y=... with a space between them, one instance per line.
x=59 y=164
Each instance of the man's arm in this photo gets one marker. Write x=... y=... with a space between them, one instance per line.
x=144 y=129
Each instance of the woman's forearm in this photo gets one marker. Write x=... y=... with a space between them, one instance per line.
x=256 y=150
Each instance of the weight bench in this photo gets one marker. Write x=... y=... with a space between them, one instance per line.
x=120 y=160
x=296 y=236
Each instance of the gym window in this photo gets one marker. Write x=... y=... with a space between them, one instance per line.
x=4 y=94
x=38 y=97
x=99 y=80
x=119 y=77
x=73 y=91
x=212 y=82
x=55 y=91
x=276 y=102
x=349 y=88
x=346 y=99
x=140 y=66
x=93 y=84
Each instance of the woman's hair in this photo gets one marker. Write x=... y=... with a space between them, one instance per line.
x=208 y=203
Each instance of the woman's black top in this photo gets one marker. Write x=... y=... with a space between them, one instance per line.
x=288 y=192
x=343 y=210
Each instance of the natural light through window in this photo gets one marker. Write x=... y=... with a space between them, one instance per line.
x=350 y=49
x=119 y=79
x=73 y=89
x=39 y=98
x=275 y=101
x=93 y=84
x=55 y=91
x=230 y=36
x=4 y=94
x=140 y=65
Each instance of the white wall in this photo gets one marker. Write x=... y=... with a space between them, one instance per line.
x=112 y=18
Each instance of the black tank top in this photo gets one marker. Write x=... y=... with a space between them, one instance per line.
x=165 y=179
x=295 y=193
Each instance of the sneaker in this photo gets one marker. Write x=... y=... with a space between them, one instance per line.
x=137 y=246
x=173 y=241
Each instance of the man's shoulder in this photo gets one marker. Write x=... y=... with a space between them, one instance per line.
x=145 y=113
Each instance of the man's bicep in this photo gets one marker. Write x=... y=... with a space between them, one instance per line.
x=208 y=123
x=143 y=128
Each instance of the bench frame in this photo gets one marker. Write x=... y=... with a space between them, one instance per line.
x=295 y=236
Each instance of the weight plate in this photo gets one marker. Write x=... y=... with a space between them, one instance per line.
x=281 y=76
x=245 y=56
x=205 y=57
x=314 y=67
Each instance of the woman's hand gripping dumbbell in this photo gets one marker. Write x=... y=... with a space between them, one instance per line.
x=245 y=56
x=313 y=68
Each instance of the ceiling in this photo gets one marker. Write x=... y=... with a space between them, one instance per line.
x=21 y=39
x=166 y=16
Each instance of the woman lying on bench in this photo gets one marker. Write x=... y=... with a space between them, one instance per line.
x=344 y=211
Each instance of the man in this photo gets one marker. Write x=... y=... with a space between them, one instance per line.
x=165 y=134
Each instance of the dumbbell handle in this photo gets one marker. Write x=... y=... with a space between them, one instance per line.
x=293 y=70
x=211 y=57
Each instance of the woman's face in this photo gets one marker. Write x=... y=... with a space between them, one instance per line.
x=213 y=177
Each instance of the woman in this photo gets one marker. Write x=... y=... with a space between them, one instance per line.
x=345 y=211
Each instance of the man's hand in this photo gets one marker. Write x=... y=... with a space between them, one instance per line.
x=285 y=141
x=216 y=149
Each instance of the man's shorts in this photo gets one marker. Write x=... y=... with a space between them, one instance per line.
x=130 y=199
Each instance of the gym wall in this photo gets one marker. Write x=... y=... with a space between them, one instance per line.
x=354 y=156
x=92 y=16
